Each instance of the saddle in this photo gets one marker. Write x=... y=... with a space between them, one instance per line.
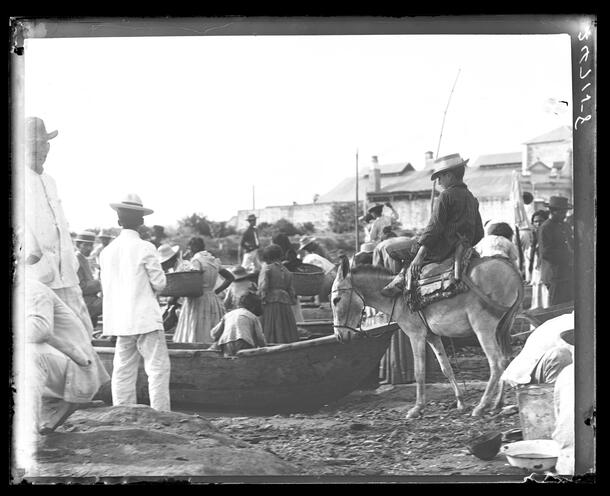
x=439 y=281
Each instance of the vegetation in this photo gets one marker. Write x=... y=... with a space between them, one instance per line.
x=343 y=218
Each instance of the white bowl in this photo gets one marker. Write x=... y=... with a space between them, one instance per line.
x=537 y=455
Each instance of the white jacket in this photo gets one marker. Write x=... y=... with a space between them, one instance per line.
x=131 y=272
x=46 y=230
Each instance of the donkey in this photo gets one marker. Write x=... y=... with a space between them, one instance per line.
x=489 y=310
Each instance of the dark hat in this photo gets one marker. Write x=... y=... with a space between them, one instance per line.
x=85 y=237
x=131 y=201
x=559 y=202
x=448 y=162
x=375 y=209
x=251 y=217
x=36 y=130
x=568 y=336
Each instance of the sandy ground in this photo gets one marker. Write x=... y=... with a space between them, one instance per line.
x=364 y=435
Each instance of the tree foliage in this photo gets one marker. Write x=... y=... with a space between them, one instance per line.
x=342 y=218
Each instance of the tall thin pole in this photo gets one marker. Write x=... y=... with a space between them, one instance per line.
x=445 y=114
x=253 y=199
x=356 y=207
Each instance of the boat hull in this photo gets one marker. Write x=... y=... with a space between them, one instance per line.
x=301 y=376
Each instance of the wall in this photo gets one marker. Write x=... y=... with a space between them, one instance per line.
x=548 y=153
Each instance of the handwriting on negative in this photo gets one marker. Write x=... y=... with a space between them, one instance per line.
x=583 y=63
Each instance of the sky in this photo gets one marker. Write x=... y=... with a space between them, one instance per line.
x=195 y=124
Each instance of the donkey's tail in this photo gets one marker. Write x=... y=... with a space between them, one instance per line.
x=506 y=324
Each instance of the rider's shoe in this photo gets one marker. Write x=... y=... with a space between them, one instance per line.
x=397 y=286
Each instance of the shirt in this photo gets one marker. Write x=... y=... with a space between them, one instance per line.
x=88 y=284
x=275 y=284
x=46 y=229
x=239 y=324
x=455 y=215
x=130 y=272
x=556 y=251
x=492 y=245
x=51 y=327
x=378 y=224
x=314 y=259
x=249 y=240
x=236 y=290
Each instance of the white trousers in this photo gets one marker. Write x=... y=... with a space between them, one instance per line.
x=153 y=348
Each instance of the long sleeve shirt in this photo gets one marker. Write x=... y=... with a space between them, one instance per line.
x=379 y=223
x=46 y=230
x=88 y=284
x=455 y=215
x=556 y=251
x=249 y=240
x=131 y=273
x=275 y=284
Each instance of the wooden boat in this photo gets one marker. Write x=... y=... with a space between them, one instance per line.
x=301 y=376
x=317 y=328
x=541 y=315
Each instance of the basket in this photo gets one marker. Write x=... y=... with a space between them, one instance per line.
x=183 y=284
x=307 y=280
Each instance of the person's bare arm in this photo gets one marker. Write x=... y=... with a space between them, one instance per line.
x=228 y=277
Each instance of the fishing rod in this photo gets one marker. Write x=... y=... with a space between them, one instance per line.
x=356 y=207
x=433 y=193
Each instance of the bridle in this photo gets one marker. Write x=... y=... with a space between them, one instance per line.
x=353 y=290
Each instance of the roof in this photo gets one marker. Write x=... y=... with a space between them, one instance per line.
x=393 y=168
x=495 y=159
x=417 y=180
x=560 y=134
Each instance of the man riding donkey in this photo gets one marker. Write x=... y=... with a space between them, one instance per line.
x=455 y=226
x=457 y=295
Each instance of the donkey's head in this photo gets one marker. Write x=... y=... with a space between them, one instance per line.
x=347 y=304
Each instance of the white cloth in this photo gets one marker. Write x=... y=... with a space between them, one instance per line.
x=153 y=348
x=563 y=434
x=46 y=230
x=314 y=259
x=251 y=261
x=492 y=245
x=130 y=275
x=239 y=324
x=544 y=338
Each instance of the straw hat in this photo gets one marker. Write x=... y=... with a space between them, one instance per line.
x=166 y=252
x=448 y=162
x=305 y=241
x=367 y=247
x=85 y=237
x=36 y=130
x=105 y=233
x=558 y=202
x=131 y=201
x=240 y=273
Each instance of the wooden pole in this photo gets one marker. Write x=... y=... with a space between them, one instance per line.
x=253 y=199
x=356 y=207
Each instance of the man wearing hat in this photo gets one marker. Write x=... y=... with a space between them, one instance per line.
x=131 y=275
x=169 y=257
x=455 y=220
x=249 y=245
x=243 y=283
x=365 y=255
x=557 y=252
x=90 y=286
x=105 y=237
x=381 y=221
x=46 y=234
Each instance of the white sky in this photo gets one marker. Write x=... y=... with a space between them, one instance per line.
x=192 y=123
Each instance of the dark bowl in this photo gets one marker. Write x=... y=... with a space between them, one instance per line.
x=486 y=446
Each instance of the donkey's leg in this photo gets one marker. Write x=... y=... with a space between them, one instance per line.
x=418 y=343
x=436 y=343
x=495 y=358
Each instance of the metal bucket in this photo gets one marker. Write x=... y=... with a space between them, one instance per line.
x=536 y=410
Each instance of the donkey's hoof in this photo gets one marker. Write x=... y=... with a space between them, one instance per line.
x=414 y=412
x=478 y=411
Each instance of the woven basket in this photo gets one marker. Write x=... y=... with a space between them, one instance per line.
x=307 y=280
x=183 y=284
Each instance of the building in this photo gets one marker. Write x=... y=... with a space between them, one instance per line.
x=544 y=165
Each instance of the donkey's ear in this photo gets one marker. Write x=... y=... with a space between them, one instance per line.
x=344 y=266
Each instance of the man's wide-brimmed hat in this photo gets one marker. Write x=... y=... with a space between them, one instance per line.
x=305 y=241
x=251 y=217
x=367 y=247
x=448 y=162
x=85 y=237
x=376 y=209
x=166 y=252
x=559 y=202
x=105 y=233
x=132 y=202
x=36 y=130
x=240 y=272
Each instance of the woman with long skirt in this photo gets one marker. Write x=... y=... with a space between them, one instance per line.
x=277 y=294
